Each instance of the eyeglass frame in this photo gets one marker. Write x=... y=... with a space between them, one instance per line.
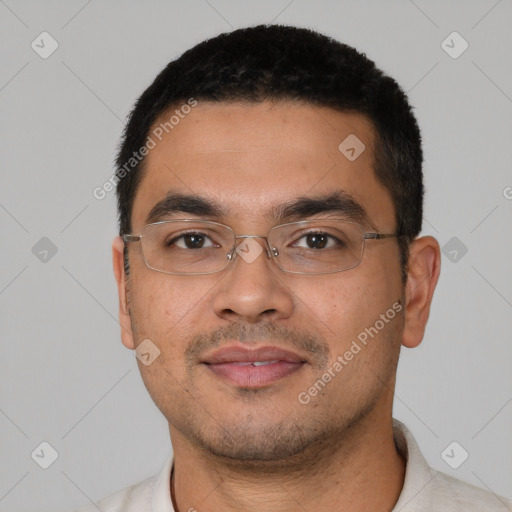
x=271 y=251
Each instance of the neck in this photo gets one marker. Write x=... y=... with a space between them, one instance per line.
x=363 y=471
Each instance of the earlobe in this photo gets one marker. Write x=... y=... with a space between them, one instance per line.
x=423 y=273
x=124 y=308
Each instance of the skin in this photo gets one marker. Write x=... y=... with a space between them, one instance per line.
x=261 y=449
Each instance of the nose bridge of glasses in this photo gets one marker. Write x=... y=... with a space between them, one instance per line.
x=271 y=251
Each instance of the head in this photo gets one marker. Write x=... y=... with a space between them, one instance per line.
x=236 y=130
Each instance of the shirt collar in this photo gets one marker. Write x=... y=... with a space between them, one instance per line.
x=161 y=501
x=418 y=474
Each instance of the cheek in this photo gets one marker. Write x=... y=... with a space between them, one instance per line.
x=165 y=311
x=163 y=306
x=343 y=305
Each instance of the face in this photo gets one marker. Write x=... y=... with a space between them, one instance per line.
x=250 y=159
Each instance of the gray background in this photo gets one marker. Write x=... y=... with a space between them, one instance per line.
x=66 y=378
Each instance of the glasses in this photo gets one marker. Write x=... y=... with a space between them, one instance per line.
x=198 y=247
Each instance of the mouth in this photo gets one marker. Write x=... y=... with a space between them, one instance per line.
x=253 y=368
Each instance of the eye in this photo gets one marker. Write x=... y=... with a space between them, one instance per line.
x=191 y=241
x=318 y=240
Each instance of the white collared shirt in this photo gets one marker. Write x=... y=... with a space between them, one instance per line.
x=424 y=490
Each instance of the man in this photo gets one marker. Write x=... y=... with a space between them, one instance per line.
x=269 y=270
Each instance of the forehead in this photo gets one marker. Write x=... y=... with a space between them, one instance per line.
x=252 y=158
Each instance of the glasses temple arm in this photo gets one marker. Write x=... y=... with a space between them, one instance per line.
x=379 y=236
x=132 y=238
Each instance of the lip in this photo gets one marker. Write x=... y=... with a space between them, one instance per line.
x=242 y=354
x=233 y=363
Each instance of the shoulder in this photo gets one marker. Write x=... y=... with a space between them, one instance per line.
x=444 y=490
x=426 y=489
x=135 y=498
x=154 y=493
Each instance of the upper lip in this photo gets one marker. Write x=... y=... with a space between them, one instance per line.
x=234 y=353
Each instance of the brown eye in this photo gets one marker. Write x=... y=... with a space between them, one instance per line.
x=317 y=240
x=190 y=241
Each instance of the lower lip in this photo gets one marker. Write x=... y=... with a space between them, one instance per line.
x=250 y=376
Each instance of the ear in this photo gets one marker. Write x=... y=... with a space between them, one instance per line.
x=124 y=309
x=422 y=275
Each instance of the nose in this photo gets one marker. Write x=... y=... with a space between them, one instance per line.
x=252 y=289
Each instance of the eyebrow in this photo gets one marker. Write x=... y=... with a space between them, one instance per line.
x=183 y=203
x=339 y=202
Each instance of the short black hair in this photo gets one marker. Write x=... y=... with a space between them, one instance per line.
x=276 y=62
